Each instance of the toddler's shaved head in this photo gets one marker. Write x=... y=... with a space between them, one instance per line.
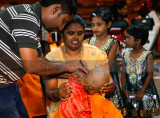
x=97 y=78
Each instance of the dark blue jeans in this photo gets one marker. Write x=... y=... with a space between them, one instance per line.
x=11 y=104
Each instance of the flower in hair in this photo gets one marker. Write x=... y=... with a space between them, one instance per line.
x=94 y=14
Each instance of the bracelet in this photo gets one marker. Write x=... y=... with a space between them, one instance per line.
x=51 y=96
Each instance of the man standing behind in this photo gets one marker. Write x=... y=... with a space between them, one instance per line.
x=20 y=30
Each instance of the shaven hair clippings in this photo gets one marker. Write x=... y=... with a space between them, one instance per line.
x=94 y=14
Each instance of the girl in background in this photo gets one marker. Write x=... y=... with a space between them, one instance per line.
x=141 y=98
x=119 y=11
x=101 y=21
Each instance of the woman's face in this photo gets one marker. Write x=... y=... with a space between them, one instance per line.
x=99 y=26
x=123 y=11
x=73 y=36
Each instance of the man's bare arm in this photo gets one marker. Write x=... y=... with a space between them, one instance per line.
x=40 y=66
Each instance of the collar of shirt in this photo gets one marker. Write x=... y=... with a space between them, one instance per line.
x=37 y=9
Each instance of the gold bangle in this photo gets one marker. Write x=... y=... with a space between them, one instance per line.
x=50 y=94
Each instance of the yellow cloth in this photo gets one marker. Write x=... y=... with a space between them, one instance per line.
x=91 y=54
x=100 y=108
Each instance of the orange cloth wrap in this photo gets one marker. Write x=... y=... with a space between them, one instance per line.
x=31 y=93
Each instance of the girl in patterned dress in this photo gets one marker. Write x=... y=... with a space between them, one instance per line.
x=101 y=21
x=141 y=98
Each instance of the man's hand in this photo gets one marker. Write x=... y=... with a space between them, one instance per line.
x=77 y=74
x=64 y=91
x=74 y=65
x=65 y=75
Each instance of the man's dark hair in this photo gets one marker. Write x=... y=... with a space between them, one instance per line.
x=103 y=13
x=76 y=19
x=139 y=32
x=68 y=6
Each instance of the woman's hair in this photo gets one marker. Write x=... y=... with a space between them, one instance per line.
x=68 y=6
x=139 y=32
x=76 y=19
x=121 y=4
x=117 y=6
x=103 y=13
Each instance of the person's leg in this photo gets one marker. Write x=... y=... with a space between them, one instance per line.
x=8 y=107
x=20 y=105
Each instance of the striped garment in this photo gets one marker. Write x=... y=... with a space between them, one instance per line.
x=78 y=105
x=20 y=27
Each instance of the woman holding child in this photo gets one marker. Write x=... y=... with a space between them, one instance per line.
x=73 y=34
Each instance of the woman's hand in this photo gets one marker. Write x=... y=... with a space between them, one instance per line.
x=64 y=91
x=108 y=88
x=139 y=95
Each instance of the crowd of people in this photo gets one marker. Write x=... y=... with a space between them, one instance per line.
x=76 y=80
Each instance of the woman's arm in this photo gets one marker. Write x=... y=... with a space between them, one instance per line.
x=33 y=64
x=149 y=78
x=51 y=85
x=108 y=88
x=112 y=54
x=53 y=92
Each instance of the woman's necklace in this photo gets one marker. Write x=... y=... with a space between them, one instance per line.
x=66 y=57
x=104 y=41
x=136 y=56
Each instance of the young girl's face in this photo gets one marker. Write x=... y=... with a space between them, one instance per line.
x=98 y=26
x=130 y=42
